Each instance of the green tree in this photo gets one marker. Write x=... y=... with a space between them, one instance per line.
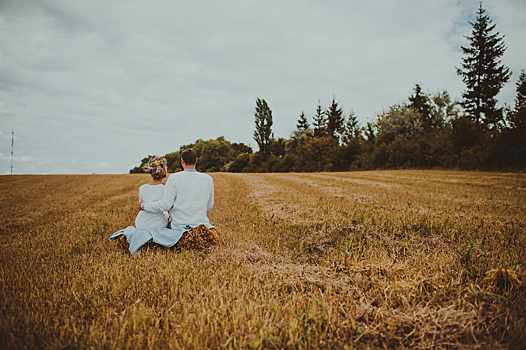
x=420 y=103
x=240 y=164
x=320 y=122
x=297 y=138
x=318 y=154
x=263 y=134
x=515 y=136
x=352 y=142
x=239 y=148
x=303 y=124
x=370 y=132
x=517 y=117
x=464 y=135
x=277 y=147
x=400 y=121
x=482 y=71
x=173 y=161
x=443 y=109
x=213 y=155
x=335 y=120
x=351 y=129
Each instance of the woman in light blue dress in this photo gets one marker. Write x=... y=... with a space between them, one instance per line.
x=151 y=192
x=150 y=226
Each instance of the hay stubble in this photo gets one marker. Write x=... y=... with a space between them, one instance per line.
x=340 y=260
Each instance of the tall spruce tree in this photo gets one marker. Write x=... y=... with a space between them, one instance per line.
x=518 y=115
x=320 y=122
x=420 y=103
x=515 y=136
x=482 y=71
x=263 y=134
x=303 y=124
x=351 y=129
x=335 y=120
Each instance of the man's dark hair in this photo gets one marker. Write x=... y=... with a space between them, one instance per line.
x=189 y=156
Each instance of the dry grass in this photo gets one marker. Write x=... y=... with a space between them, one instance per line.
x=200 y=237
x=388 y=259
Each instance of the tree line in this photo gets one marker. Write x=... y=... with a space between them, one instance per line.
x=429 y=130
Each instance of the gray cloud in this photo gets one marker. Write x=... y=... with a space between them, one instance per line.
x=95 y=86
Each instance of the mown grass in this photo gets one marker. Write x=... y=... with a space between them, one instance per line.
x=387 y=259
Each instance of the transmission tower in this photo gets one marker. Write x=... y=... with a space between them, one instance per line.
x=12 y=145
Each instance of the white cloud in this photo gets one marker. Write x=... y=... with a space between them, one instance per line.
x=5 y=136
x=45 y=162
x=26 y=159
x=103 y=165
x=16 y=159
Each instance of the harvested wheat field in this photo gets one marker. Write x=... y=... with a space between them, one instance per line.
x=381 y=259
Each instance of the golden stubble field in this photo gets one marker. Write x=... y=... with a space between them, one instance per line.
x=380 y=259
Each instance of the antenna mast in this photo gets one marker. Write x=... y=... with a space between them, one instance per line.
x=12 y=144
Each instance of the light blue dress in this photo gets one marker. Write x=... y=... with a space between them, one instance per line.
x=147 y=219
x=164 y=236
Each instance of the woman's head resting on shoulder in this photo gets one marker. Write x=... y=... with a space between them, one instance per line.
x=156 y=167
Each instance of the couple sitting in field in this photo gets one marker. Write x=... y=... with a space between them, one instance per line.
x=172 y=211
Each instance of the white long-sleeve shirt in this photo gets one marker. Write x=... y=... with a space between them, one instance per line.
x=189 y=195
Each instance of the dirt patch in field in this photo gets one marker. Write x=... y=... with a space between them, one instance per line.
x=337 y=192
x=359 y=182
x=304 y=274
x=299 y=275
x=268 y=197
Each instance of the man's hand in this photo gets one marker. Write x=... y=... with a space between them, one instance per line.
x=140 y=202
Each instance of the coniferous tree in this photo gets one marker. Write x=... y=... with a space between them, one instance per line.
x=420 y=103
x=517 y=117
x=515 y=136
x=335 y=120
x=370 y=132
x=320 y=122
x=353 y=126
x=482 y=71
x=263 y=134
x=303 y=124
x=351 y=129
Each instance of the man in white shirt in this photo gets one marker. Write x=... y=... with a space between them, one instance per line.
x=189 y=195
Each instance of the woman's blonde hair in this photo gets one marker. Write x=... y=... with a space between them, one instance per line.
x=156 y=167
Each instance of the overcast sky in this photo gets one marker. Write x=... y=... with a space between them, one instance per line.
x=94 y=86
